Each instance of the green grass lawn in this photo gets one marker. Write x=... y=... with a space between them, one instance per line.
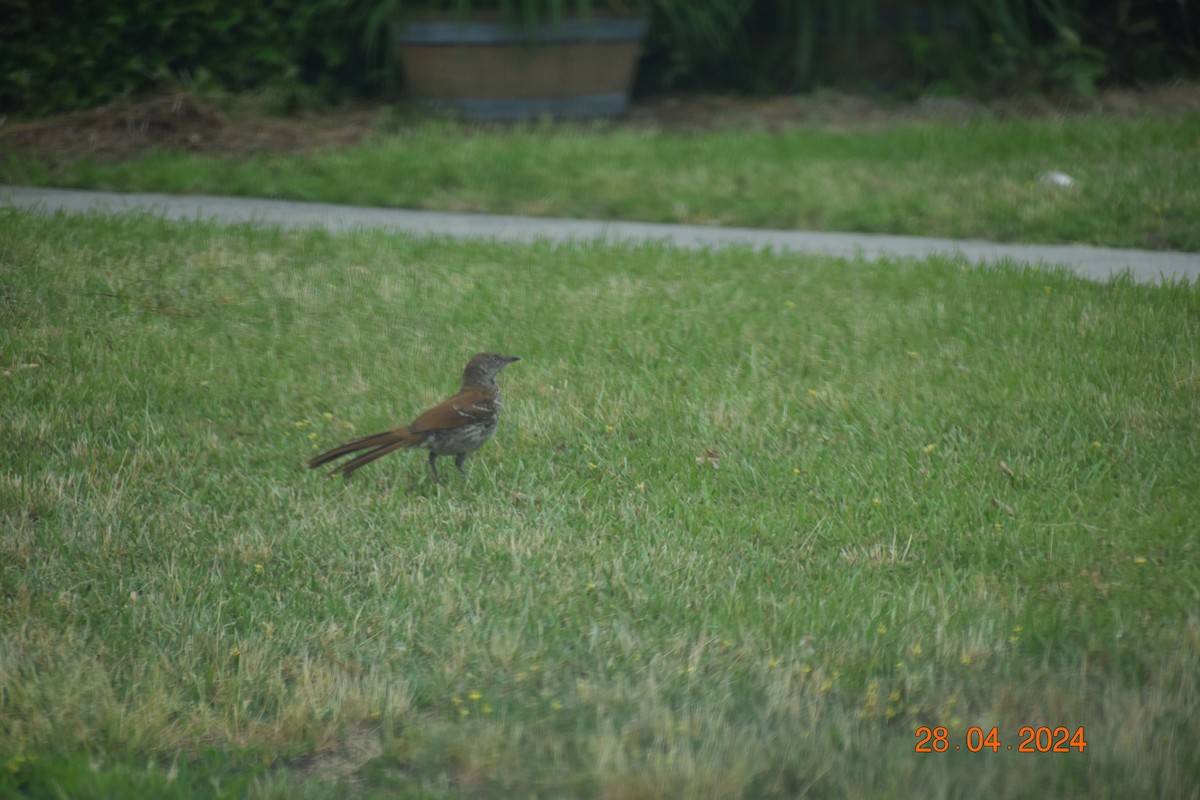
x=1136 y=180
x=750 y=522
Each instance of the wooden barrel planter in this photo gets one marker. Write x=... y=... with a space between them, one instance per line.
x=485 y=69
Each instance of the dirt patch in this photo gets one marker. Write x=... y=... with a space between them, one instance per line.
x=342 y=763
x=186 y=122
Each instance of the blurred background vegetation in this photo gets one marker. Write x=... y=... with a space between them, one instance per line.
x=73 y=54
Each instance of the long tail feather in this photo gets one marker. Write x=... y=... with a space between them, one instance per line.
x=379 y=444
x=366 y=458
x=374 y=440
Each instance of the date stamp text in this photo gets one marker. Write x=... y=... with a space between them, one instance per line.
x=1029 y=739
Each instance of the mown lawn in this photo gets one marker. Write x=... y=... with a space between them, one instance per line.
x=750 y=522
x=1135 y=179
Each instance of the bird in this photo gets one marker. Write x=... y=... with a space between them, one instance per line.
x=455 y=427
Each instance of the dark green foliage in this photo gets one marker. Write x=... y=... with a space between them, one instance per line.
x=1052 y=44
x=69 y=54
x=984 y=45
x=72 y=54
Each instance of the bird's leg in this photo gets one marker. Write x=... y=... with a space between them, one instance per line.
x=458 y=463
x=433 y=465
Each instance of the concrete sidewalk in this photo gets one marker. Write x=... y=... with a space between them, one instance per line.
x=1096 y=263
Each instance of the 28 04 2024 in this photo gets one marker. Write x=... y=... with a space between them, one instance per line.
x=1030 y=739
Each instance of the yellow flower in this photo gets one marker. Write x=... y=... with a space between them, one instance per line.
x=475 y=696
x=1139 y=559
x=328 y=416
x=876 y=502
x=881 y=630
x=929 y=448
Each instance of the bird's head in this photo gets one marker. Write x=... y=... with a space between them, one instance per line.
x=483 y=368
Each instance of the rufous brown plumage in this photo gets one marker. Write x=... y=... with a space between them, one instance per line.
x=456 y=427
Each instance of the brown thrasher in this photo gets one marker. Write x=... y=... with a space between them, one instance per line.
x=456 y=427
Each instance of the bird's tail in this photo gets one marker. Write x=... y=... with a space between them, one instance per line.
x=377 y=445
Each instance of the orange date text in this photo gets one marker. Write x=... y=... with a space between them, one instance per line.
x=1029 y=739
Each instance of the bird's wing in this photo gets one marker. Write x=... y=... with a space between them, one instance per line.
x=466 y=407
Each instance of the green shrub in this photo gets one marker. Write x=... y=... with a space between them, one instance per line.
x=984 y=45
x=77 y=53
